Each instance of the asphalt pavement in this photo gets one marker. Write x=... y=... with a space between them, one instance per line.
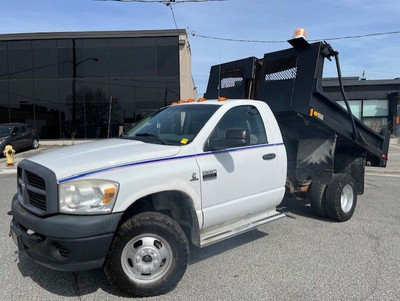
x=299 y=257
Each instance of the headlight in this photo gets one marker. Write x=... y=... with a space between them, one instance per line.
x=87 y=196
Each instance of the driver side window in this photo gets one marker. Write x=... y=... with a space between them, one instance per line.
x=15 y=130
x=243 y=117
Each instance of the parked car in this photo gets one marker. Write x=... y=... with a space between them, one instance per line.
x=20 y=135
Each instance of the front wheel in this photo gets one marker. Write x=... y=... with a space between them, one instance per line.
x=35 y=143
x=341 y=197
x=148 y=256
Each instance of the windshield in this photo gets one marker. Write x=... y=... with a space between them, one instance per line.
x=5 y=130
x=174 y=125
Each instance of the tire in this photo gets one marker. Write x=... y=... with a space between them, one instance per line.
x=148 y=256
x=35 y=143
x=341 y=197
x=316 y=196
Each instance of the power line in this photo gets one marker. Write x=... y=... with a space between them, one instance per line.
x=194 y=34
x=173 y=17
x=166 y=2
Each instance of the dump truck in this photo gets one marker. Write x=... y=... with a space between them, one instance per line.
x=195 y=172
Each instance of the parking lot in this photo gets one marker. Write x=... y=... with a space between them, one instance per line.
x=296 y=258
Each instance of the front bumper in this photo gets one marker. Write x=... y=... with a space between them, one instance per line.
x=64 y=242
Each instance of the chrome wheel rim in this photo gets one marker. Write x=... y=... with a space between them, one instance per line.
x=347 y=198
x=146 y=258
x=35 y=143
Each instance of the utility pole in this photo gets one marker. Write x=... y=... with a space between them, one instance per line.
x=109 y=117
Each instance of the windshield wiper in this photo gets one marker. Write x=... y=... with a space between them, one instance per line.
x=152 y=136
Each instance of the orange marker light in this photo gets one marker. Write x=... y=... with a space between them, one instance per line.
x=311 y=112
x=201 y=99
x=222 y=98
x=190 y=100
x=109 y=194
x=300 y=33
x=174 y=103
x=182 y=101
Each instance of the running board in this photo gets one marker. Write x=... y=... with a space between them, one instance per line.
x=216 y=234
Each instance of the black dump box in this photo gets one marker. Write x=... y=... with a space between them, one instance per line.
x=321 y=137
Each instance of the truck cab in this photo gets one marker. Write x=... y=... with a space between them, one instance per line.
x=196 y=171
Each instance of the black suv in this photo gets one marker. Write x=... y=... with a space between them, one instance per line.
x=19 y=135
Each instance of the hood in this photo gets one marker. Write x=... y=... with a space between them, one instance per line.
x=72 y=160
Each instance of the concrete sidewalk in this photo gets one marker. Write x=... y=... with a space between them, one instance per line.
x=392 y=169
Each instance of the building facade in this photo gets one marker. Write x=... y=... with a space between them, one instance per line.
x=91 y=84
x=375 y=102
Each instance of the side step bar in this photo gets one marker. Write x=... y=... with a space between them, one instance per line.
x=221 y=232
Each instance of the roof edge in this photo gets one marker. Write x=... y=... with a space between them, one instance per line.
x=92 y=34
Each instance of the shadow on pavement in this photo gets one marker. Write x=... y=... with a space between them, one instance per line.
x=301 y=207
x=83 y=283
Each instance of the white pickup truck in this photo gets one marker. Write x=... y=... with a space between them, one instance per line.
x=195 y=172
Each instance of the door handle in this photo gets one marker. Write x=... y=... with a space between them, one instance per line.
x=269 y=156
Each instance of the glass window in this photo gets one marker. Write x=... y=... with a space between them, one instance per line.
x=167 y=61
x=46 y=92
x=372 y=108
x=122 y=92
x=376 y=123
x=64 y=43
x=45 y=63
x=144 y=42
x=145 y=61
x=94 y=61
x=243 y=117
x=64 y=59
x=167 y=41
x=3 y=64
x=355 y=106
x=16 y=130
x=20 y=63
x=4 y=95
x=38 y=44
x=21 y=91
x=120 y=42
x=121 y=61
x=175 y=125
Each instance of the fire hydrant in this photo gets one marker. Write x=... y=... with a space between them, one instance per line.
x=9 y=153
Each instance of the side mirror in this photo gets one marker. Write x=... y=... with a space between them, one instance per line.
x=233 y=138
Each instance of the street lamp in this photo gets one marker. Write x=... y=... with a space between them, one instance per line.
x=74 y=65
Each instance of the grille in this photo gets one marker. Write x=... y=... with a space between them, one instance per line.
x=63 y=250
x=281 y=69
x=35 y=181
x=232 y=77
x=37 y=200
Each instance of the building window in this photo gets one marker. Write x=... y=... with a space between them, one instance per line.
x=355 y=106
x=374 y=108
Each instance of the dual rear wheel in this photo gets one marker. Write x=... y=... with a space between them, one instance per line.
x=337 y=200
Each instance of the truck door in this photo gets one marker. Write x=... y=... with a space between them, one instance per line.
x=238 y=181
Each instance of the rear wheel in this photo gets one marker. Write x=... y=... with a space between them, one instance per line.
x=35 y=143
x=341 y=197
x=149 y=255
x=316 y=196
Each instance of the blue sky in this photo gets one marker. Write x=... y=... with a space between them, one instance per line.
x=238 y=19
